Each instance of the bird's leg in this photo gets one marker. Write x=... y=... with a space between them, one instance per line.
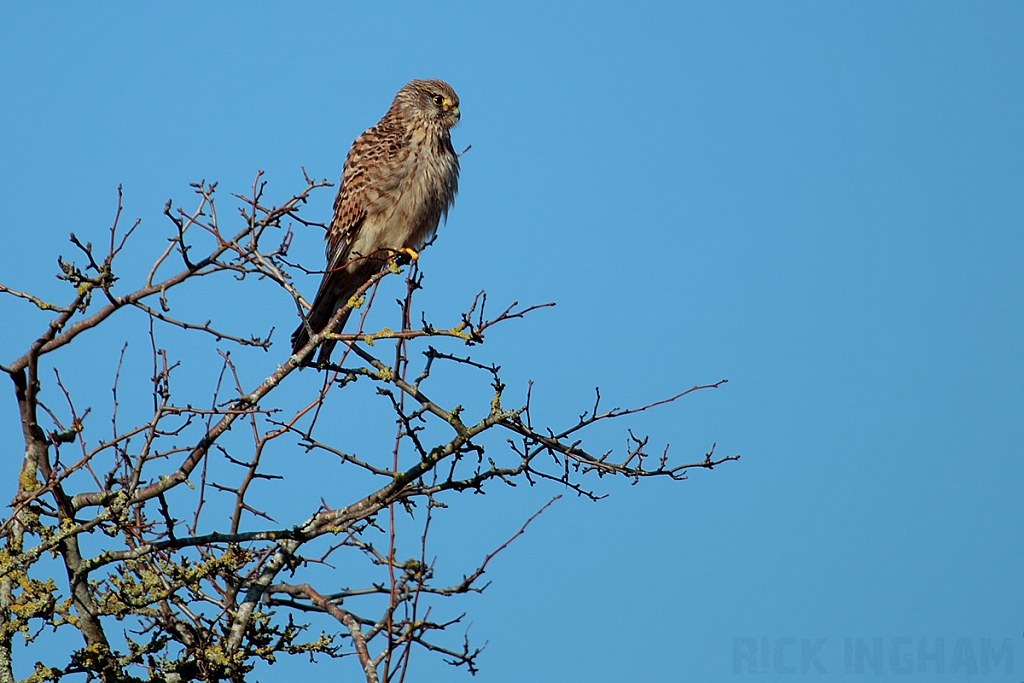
x=402 y=256
x=411 y=253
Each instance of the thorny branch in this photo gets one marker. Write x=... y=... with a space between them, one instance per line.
x=205 y=599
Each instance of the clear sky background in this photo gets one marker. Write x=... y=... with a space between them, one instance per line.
x=821 y=202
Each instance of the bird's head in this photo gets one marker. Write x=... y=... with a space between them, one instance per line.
x=431 y=100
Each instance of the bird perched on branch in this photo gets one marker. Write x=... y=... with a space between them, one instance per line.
x=400 y=178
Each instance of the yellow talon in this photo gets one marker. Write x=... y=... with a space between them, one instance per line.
x=411 y=253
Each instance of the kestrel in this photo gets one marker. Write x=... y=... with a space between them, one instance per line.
x=400 y=177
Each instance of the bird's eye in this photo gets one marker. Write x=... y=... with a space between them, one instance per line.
x=438 y=100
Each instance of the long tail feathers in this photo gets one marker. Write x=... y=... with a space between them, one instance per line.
x=334 y=293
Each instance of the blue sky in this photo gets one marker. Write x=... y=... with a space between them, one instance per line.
x=821 y=202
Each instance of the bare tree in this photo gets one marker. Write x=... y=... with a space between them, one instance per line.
x=111 y=534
